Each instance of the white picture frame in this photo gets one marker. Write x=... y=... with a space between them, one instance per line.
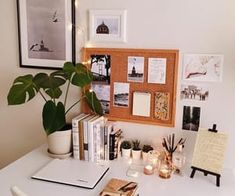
x=107 y=25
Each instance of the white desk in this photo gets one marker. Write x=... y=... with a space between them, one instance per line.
x=19 y=172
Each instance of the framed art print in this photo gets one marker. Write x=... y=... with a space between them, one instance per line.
x=46 y=33
x=107 y=25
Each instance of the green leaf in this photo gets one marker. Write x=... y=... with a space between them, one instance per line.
x=22 y=90
x=51 y=83
x=80 y=75
x=53 y=117
x=93 y=102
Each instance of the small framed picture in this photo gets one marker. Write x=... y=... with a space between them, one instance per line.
x=107 y=25
x=46 y=33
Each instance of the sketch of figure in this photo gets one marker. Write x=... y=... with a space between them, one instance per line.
x=46 y=29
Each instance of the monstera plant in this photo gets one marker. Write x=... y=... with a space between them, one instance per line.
x=48 y=86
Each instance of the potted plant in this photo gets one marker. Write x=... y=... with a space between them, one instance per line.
x=136 y=150
x=126 y=149
x=145 y=150
x=48 y=86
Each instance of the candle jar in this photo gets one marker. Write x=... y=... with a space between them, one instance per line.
x=148 y=169
x=153 y=158
x=165 y=169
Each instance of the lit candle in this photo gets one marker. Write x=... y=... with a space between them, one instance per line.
x=148 y=170
x=165 y=173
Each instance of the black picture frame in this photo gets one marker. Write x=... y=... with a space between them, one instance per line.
x=46 y=32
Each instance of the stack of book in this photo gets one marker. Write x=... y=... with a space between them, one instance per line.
x=117 y=187
x=94 y=138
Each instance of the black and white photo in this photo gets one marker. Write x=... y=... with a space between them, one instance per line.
x=121 y=94
x=100 y=68
x=191 y=118
x=135 y=69
x=46 y=33
x=103 y=94
x=194 y=92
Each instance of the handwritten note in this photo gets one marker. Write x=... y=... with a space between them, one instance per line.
x=209 y=150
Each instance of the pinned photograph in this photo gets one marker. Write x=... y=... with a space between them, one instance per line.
x=135 y=69
x=202 y=67
x=103 y=94
x=100 y=68
x=191 y=118
x=121 y=94
x=194 y=92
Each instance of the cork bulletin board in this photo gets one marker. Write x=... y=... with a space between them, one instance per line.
x=158 y=107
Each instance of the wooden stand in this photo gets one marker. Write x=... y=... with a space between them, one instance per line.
x=206 y=173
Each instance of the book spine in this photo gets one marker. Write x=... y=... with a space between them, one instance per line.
x=111 y=146
x=81 y=141
x=86 y=147
x=75 y=136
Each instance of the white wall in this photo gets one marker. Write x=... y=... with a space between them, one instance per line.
x=188 y=25
x=192 y=27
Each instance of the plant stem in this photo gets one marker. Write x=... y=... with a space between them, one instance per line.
x=66 y=94
x=74 y=105
x=42 y=96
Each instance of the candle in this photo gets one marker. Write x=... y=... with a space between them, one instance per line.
x=165 y=173
x=148 y=170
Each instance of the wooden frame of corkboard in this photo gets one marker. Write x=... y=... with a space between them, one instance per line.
x=119 y=66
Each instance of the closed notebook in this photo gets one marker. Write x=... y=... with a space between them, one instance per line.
x=72 y=172
x=117 y=187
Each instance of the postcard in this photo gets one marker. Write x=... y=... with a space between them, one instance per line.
x=121 y=94
x=135 y=69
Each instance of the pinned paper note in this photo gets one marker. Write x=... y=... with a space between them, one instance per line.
x=141 y=104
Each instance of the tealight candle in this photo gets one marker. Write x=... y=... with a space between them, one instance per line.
x=148 y=170
x=165 y=173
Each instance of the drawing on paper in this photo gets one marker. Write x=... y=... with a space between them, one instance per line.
x=202 y=67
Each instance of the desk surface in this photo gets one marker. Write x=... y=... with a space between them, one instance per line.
x=19 y=172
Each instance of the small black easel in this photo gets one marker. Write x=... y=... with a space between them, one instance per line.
x=205 y=171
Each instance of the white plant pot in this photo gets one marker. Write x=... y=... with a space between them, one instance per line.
x=60 y=142
x=136 y=154
x=145 y=156
x=126 y=153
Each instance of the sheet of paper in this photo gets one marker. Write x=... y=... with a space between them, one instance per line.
x=209 y=150
x=157 y=70
x=141 y=104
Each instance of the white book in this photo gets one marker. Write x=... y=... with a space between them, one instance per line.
x=141 y=104
x=85 y=134
x=100 y=119
x=75 y=134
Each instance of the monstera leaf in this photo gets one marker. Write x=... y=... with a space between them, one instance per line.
x=93 y=102
x=22 y=90
x=51 y=83
x=53 y=117
x=79 y=74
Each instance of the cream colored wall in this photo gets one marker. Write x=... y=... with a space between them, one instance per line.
x=189 y=25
